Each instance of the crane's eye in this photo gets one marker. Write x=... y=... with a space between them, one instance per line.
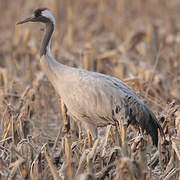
x=37 y=13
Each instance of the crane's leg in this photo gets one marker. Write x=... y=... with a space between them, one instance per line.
x=66 y=119
x=91 y=132
x=80 y=131
x=123 y=130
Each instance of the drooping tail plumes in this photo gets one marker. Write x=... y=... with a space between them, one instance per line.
x=139 y=114
x=152 y=126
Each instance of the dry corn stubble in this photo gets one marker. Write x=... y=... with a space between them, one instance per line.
x=131 y=40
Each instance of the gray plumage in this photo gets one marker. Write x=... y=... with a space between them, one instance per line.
x=93 y=98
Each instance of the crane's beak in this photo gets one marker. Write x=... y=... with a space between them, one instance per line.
x=30 y=19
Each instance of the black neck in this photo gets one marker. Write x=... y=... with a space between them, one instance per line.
x=46 y=40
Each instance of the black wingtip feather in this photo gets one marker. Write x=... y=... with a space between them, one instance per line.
x=152 y=128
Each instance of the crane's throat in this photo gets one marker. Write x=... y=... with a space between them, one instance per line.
x=45 y=45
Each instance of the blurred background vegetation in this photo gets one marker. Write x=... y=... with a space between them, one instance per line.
x=136 y=41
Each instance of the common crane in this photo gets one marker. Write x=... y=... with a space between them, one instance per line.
x=93 y=98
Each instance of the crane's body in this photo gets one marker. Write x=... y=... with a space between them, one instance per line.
x=93 y=98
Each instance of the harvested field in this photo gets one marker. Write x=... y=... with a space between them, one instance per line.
x=136 y=41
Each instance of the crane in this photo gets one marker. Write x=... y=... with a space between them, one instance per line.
x=92 y=98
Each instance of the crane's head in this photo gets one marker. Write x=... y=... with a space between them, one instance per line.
x=43 y=15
